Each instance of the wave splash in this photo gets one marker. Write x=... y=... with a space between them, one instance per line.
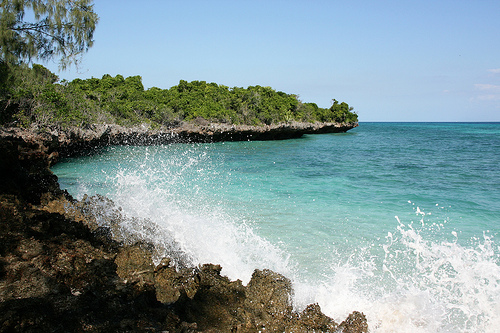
x=410 y=281
x=418 y=284
x=204 y=233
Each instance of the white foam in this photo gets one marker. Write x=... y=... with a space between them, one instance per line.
x=205 y=234
x=421 y=286
x=412 y=282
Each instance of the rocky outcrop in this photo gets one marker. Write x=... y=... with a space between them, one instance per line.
x=76 y=140
x=224 y=132
x=64 y=269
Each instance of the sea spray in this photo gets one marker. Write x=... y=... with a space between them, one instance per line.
x=421 y=285
x=321 y=211
x=411 y=282
x=202 y=229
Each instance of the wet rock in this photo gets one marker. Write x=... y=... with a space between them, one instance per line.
x=56 y=275
x=217 y=303
x=134 y=265
x=354 y=323
x=69 y=266
x=170 y=284
x=313 y=320
x=167 y=286
x=268 y=298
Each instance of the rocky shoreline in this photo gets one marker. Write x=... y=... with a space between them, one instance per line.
x=65 y=268
x=76 y=140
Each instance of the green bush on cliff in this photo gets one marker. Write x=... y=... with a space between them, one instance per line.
x=34 y=96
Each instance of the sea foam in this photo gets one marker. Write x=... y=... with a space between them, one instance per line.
x=425 y=271
x=407 y=283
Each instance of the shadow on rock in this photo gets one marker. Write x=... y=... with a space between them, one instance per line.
x=64 y=270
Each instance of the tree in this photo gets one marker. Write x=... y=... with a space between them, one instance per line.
x=62 y=28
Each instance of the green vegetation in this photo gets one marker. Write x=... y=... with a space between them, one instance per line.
x=65 y=28
x=62 y=28
x=34 y=96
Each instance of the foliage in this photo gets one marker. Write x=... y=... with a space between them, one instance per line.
x=59 y=27
x=34 y=96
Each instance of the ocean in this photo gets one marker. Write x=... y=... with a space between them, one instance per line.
x=397 y=220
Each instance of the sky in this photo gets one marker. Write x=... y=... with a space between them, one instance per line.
x=426 y=60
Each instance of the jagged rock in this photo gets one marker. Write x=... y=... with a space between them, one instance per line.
x=354 y=323
x=313 y=320
x=170 y=284
x=167 y=284
x=217 y=303
x=134 y=265
x=268 y=298
x=75 y=140
x=64 y=266
x=24 y=169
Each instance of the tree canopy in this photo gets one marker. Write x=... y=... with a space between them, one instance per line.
x=44 y=29
x=34 y=96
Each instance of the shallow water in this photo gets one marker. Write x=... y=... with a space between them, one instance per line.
x=398 y=220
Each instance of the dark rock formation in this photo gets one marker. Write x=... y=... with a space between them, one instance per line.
x=64 y=270
x=77 y=140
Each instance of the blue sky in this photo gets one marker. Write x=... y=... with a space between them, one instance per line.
x=400 y=60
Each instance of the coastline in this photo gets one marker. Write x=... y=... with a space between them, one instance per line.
x=57 y=261
x=75 y=140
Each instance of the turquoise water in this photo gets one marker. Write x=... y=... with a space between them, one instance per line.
x=398 y=220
